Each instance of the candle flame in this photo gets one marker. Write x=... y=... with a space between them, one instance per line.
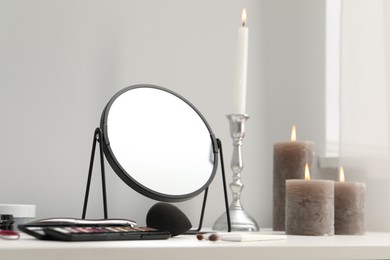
x=293 y=134
x=307 y=172
x=341 y=174
x=243 y=17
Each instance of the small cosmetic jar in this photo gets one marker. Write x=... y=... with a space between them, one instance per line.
x=21 y=214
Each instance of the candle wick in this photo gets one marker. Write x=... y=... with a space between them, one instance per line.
x=243 y=24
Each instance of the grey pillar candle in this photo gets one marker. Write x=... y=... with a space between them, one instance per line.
x=289 y=161
x=310 y=207
x=349 y=207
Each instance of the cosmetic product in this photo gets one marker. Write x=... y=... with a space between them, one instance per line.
x=94 y=233
x=21 y=213
x=82 y=222
x=289 y=161
x=9 y=234
x=239 y=237
x=6 y=222
x=167 y=217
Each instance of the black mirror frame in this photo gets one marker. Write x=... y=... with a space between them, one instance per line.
x=104 y=145
x=126 y=177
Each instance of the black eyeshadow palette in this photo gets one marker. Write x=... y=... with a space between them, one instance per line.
x=94 y=233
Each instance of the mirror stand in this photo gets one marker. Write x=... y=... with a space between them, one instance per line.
x=97 y=137
x=194 y=231
x=229 y=224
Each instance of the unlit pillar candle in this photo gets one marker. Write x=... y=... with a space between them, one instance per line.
x=310 y=207
x=349 y=207
x=289 y=161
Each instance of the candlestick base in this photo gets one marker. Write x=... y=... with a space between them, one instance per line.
x=240 y=220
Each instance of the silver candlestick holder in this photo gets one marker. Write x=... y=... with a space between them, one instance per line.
x=240 y=220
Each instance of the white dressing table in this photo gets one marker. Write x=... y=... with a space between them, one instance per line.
x=373 y=245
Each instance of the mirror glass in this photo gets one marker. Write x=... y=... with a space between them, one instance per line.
x=158 y=143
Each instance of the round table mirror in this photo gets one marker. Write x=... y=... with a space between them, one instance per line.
x=158 y=143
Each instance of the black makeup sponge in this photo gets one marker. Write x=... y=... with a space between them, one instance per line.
x=166 y=217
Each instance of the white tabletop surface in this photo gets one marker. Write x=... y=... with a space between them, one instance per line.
x=373 y=245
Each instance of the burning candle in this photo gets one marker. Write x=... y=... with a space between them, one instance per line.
x=309 y=206
x=239 y=95
x=289 y=161
x=349 y=206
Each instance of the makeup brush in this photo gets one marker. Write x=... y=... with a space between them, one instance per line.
x=239 y=237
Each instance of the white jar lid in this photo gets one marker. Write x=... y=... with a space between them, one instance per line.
x=18 y=210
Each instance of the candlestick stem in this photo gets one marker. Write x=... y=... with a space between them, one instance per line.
x=240 y=219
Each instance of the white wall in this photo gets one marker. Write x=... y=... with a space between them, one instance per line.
x=61 y=61
x=294 y=76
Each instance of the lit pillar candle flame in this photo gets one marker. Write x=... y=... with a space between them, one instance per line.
x=341 y=174
x=293 y=134
x=307 y=172
x=243 y=17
